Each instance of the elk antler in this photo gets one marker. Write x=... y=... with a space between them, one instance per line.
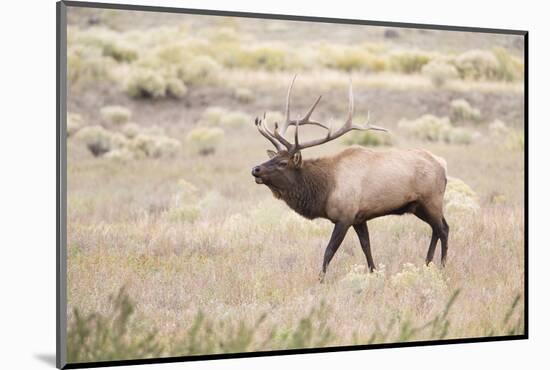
x=348 y=126
x=277 y=138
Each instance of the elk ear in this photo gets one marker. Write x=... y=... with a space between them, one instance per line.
x=271 y=154
x=297 y=159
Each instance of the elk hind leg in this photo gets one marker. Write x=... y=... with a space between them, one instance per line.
x=363 y=234
x=444 y=238
x=437 y=224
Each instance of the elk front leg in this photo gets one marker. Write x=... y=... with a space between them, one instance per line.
x=336 y=239
x=363 y=234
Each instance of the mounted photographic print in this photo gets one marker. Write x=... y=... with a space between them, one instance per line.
x=237 y=184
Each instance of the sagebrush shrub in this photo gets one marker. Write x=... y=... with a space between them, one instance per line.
x=439 y=72
x=87 y=65
x=431 y=128
x=477 y=65
x=115 y=114
x=130 y=130
x=154 y=146
x=111 y=43
x=212 y=116
x=462 y=111
x=368 y=138
x=510 y=68
x=205 y=140
x=235 y=119
x=218 y=116
x=145 y=82
x=114 y=336
x=427 y=127
x=409 y=61
x=199 y=70
x=97 y=139
x=459 y=197
x=349 y=59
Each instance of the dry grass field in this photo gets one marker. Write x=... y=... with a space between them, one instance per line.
x=174 y=250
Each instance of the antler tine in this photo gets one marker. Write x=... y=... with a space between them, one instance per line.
x=346 y=127
x=281 y=138
x=310 y=111
x=264 y=131
x=287 y=108
x=305 y=120
x=350 y=106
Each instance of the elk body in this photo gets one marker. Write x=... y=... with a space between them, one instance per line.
x=355 y=185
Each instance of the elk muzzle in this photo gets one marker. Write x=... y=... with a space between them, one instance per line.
x=256 y=172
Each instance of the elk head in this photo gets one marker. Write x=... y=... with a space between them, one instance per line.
x=280 y=171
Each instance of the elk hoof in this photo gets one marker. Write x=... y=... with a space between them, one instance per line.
x=321 y=277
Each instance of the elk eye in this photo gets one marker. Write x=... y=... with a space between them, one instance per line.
x=283 y=164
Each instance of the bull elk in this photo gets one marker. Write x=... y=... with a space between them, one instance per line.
x=355 y=185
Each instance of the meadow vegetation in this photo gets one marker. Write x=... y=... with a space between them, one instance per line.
x=174 y=250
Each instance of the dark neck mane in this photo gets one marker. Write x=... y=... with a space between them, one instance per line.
x=308 y=196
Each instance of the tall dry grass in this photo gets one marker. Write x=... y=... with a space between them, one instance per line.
x=245 y=255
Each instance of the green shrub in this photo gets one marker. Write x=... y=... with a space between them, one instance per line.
x=199 y=70
x=477 y=65
x=235 y=119
x=462 y=111
x=114 y=336
x=410 y=61
x=439 y=72
x=459 y=197
x=146 y=83
x=431 y=128
x=510 y=68
x=109 y=42
x=428 y=127
x=88 y=65
x=97 y=139
x=368 y=138
x=271 y=57
x=212 y=116
x=154 y=146
x=175 y=87
x=115 y=114
x=204 y=140
x=218 y=116
x=458 y=135
x=426 y=279
x=130 y=130
x=121 y=155
x=349 y=59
